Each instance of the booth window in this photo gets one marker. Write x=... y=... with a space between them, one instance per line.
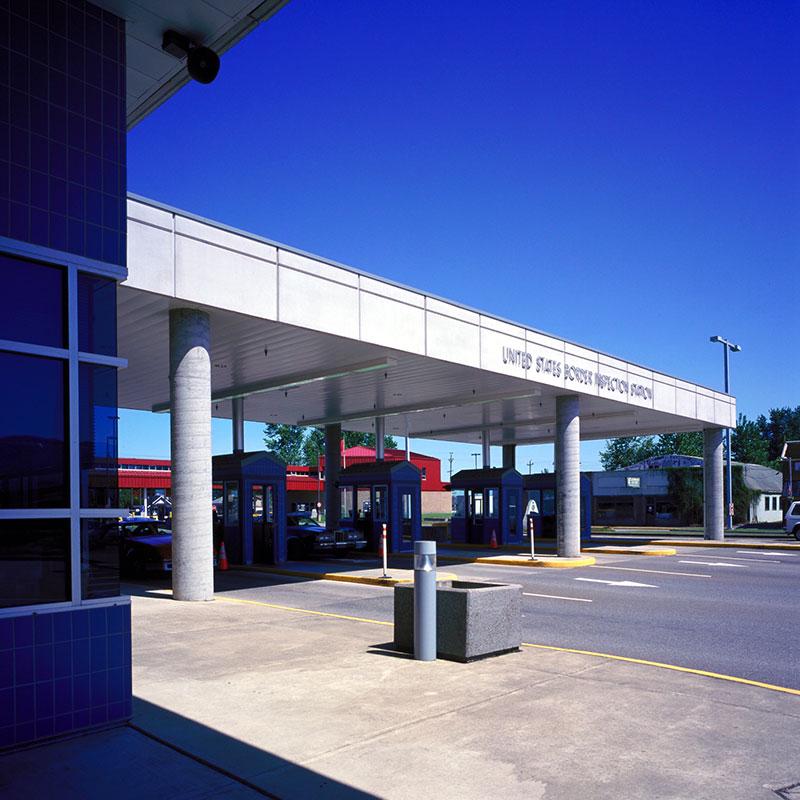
x=362 y=502
x=477 y=505
x=492 y=503
x=269 y=503
x=34 y=562
x=548 y=506
x=98 y=431
x=33 y=433
x=457 y=503
x=407 y=515
x=346 y=499
x=231 y=503
x=34 y=302
x=100 y=542
x=381 y=493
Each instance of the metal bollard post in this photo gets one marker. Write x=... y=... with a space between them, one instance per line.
x=530 y=532
x=385 y=554
x=425 y=601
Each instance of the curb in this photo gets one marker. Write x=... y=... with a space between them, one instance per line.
x=629 y=551
x=739 y=545
x=508 y=561
x=342 y=578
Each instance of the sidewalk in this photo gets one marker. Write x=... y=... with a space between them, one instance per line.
x=306 y=705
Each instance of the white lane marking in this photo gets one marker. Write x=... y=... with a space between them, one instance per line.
x=655 y=571
x=767 y=560
x=714 y=564
x=618 y=583
x=558 y=597
x=763 y=553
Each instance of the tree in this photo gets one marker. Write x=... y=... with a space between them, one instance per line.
x=783 y=424
x=313 y=446
x=747 y=443
x=687 y=444
x=358 y=439
x=626 y=450
x=285 y=441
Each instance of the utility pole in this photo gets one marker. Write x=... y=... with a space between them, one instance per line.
x=450 y=459
x=476 y=456
x=530 y=467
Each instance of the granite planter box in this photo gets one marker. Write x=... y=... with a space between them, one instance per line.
x=473 y=620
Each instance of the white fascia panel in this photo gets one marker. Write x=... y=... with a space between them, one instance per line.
x=705 y=408
x=579 y=373
x=612 y=381
x=453 y=311
x=664 y=397
x=316 y=268
x=215 y=276
x=392 y=324
x=452 y=339
x=222 y=238
x=685 y=403
x=310 y=301
x=150 y=258
x=150 y=214
x=391 y=291
x=500 y=326
x=724 y=413
x=501 y=352
x=635 y=372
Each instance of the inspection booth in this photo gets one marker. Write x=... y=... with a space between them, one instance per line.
x=253 y=519
x=378 y=492
x=540 y=503
x=486 y=501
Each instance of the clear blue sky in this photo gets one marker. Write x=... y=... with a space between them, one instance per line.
x=626 y=175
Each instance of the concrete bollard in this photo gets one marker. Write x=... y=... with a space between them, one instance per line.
x=425 y=601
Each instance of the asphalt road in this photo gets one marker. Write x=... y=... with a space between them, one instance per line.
x=722 y=610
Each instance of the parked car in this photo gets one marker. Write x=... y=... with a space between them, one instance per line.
x=145 y=546
x=792 y=523
x=305 y=537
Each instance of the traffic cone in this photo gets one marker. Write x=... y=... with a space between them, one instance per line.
x=222 y=559
x=493 y=541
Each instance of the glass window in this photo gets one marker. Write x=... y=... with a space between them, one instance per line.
x=100 y=543
x=346 y=499
x=33 y=302
x=381 y=493
x=362 y=502
x=513 y=502
x=257 y=498
x=766 y=503
x=269 y=511
x=477 y=505
x=457 y=502
x=548 y=507
x=97 y=315
x=492 y=503
x=33 y=433
x=424 y=473
x=231 y=503
x=34 y=562
x=98 y=430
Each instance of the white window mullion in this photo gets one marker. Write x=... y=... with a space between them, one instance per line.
x=74 y=435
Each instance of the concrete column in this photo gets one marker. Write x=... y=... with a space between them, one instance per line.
x=568 y=473
x=190 y=438
x=380 y=430
x=509 y=456
x=237 y=423
x=486 y=449
x=712 y=484
x=333 y=466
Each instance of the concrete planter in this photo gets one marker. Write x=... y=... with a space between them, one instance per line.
x=473 y=620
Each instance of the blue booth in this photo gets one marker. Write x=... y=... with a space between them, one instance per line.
x=541 y=491
x=253 y=519
x=378 y=492
x=485 y=502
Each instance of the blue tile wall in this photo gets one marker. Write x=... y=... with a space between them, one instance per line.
x=62 y=127
x=63 y=671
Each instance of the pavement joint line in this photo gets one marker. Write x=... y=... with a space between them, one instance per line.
x=366 y=580
x=674 y=667
x=631 y=551
x=656 y=571
x=742 y=545
x=610 y=656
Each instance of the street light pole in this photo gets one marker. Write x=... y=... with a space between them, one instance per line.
x=727 y=347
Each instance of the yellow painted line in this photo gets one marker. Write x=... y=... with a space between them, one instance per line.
x=656 y=571
x=674 y=667
x=301 y=610
x=609 y=656
x=630 y=551
x=742 y=545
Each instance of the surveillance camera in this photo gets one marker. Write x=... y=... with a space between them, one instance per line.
x=203 y=64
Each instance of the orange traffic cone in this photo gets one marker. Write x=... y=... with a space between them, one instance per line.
x=493 y=541
x=223 y=558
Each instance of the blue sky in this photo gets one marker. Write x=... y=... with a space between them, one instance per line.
x=626 y=175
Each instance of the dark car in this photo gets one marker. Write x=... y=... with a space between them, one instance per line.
x=145 y=546
x=305 y=537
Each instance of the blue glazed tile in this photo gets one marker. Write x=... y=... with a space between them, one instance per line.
x=116 y=685
x=62 y=696
x=43 y=628
x=44 y=700
x=116 y=650
x=44 y=727
x=80 y=624
x=116 y=711
x=99 y=658
x=6 y=707
x=7 y=737
x=62 y=627
x=24 y=732
x=23 y=631
x=23 y=665
x=82 y=718
x=128 y=708
x=62 y=723
x=24 y=706
x=99 y=715
x=81 y=656
x=127 y=615
x=116 y=619
x=99 y=688
x=43 y=658
x=6 y=669
x=62 y=659
x=81 y=691
x=6 y=634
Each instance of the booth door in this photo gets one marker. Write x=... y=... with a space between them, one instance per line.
x=263 y=521
x=407 y=519
x=512 y=515
x=475 y=518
